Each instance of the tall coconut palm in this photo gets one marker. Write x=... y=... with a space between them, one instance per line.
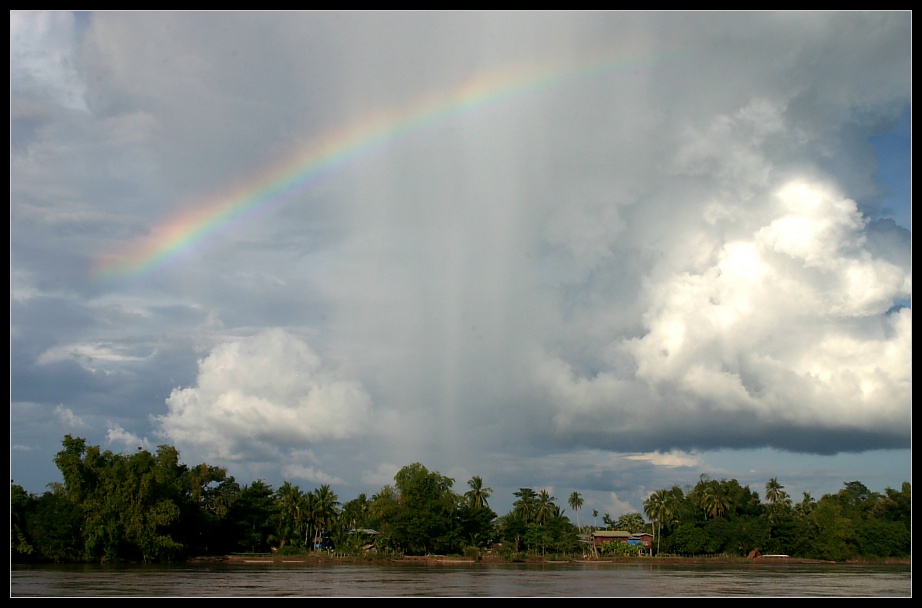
x=702 y=495
x=576 y=503
x=355 y=512
x=778 y=500
x=774 y=491
x=309 y=518
x=545 y=508
x=290 y=500
x=716 y=503
x=805 y=507
x=525 y=506
x=325 y=507
x=659 y=507
x=477 y=496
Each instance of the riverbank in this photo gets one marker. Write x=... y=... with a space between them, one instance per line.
x=436 y=560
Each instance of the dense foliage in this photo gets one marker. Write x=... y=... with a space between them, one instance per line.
x=724 y=517
x=147 y=507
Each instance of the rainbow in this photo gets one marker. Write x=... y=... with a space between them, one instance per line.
x=283 y=183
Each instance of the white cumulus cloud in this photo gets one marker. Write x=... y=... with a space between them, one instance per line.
x=260 y=394
x=787 y=328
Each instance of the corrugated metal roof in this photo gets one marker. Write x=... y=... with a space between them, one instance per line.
x=612 y=533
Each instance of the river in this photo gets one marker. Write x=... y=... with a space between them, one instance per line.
x=577 y=579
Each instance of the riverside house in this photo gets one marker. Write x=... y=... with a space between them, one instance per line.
x=600 y=537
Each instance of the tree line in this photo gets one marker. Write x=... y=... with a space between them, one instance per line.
x=725 y=517
x=149 y=507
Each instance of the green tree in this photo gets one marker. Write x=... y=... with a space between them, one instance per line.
x=22 y=505
x=476 y=525
x=426 y=518
x=659 y=507
x=716 y=503
x=576 y=503
x=559 y=534
x=49 y=528
x=254 y=514
x=805 y=506
x=477 y=496
x=544 y=510
x=128 y=504
x=208 y=495
x=527 y=504
x=324 y=511
x=356 y=512
x=290 y=507
x=512 y=528
x=150 y=493
x=384 y=510
x=309 y=520
x=835 y=534
x=71 y=462
x=880 y=524
x=745 y=533
x=710 y=496
x=631 y=522
x=774 y=491
x=895 y=505
x=691 y=539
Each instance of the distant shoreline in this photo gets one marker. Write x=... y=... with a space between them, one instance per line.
x=454 y=560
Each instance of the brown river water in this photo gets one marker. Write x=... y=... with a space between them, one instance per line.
x=576 y=579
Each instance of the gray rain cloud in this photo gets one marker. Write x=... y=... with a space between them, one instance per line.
x=568 y=250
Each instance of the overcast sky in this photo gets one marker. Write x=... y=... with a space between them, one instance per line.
x=598 y=252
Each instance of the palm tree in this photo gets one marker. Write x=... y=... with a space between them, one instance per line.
x=805 y=507
x=576 y=503
x=545 y=508
x=325 y=503
x=632 y=522
x=477 y=496
x=704 y=494
x=774 y=491
x=659 y=507
x=290 y=501
x=716 y=503
x=778 y=500
x=309 y=518
x=356 y=511
x=710 y=497
x=525 y=506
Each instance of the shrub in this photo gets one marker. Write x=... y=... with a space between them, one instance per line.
x=619 y=548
